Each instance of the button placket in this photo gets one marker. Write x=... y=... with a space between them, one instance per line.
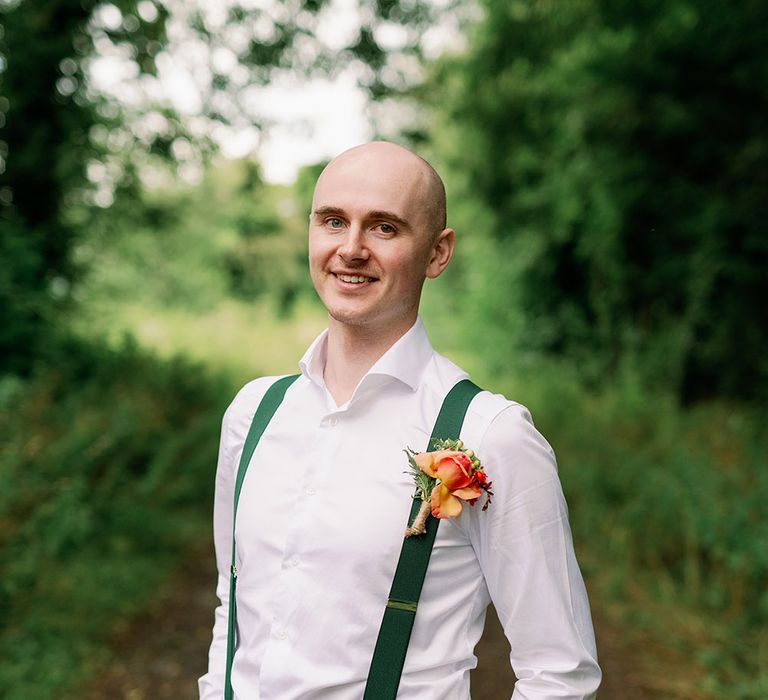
x=322 y=446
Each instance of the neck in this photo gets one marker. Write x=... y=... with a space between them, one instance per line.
x=352 y=351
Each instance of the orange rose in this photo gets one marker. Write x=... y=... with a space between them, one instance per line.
x=456 y=480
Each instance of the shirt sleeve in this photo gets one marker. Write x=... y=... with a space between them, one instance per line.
x=525 y=550
x=211 y=685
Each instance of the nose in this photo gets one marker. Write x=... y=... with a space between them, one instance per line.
x=354 y=247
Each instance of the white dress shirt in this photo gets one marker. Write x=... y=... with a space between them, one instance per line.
x=320 y=526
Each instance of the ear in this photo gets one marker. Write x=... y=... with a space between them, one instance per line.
x=442 y=252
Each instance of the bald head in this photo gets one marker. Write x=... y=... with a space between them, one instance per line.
x=411 y=171
x=376 y=233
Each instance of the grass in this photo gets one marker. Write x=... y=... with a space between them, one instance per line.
x=239 y=339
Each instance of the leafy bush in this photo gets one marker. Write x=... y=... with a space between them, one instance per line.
x=672 y=502
x=107 y=458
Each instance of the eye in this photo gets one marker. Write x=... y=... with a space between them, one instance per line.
x=334 y=222
x=386 y=229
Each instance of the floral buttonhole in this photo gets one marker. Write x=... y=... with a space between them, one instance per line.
x=445 y=477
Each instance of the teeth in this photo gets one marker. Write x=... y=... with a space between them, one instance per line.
x=356 y=279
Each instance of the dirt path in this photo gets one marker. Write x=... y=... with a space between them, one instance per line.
x=160 y=655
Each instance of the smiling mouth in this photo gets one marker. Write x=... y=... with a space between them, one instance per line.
x=353 y=279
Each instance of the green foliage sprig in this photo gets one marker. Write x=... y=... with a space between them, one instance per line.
x=424 y=482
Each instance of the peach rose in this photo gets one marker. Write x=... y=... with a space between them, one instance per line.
x=456 y=480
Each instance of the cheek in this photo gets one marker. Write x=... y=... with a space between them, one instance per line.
x=318 y=252
x=317 y=262
x=411 y=272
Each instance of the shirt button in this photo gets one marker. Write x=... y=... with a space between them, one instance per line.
x=293 y=561
x=333 y=421
x=281 y=635
x=310 y=491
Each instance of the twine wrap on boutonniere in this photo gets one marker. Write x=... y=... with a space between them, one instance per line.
x=444 y=478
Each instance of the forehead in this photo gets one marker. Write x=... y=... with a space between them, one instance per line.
x=358 y=182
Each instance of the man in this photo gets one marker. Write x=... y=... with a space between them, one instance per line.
x=323 y=508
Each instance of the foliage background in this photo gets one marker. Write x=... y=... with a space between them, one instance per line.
x=606 y=167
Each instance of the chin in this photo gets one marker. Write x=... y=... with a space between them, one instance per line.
x=349 y=317
x=353 y=312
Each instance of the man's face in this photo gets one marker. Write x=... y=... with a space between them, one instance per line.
x=370 y=241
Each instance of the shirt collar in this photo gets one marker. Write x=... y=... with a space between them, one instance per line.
x=404 y=361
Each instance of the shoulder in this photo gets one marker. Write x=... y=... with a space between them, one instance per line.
x=440 y=375
x=487 y=410
x=519 y=462
x=238 y=416
x=507 y=442
x=250 y=394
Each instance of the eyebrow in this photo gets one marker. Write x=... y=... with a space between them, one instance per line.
x=325 y=211
x=376 y=214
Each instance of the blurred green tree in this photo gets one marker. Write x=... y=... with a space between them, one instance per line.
x=270 y=253
x=45 y=146
x=618 y=151
x=65 y=147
